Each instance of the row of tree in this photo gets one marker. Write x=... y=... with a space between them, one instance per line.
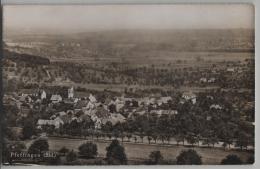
x=115 y=155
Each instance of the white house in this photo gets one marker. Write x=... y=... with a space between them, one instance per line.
x=43 y=95
x=230 y=69
x=212 y=80
x=189 y=96
x=56 y=98
x=57 y=122
x=71 y=92
x=215 y=106
x=203 y=79
x=92 y=98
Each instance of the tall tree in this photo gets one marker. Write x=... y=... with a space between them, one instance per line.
x=116 y=153
x=88 y=150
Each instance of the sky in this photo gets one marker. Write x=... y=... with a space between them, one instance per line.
x=83 y=18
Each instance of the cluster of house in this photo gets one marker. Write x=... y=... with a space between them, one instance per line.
x=89 y=108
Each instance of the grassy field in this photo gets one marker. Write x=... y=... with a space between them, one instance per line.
x=136 y=151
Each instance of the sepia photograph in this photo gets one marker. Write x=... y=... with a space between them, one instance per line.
x=151 y=84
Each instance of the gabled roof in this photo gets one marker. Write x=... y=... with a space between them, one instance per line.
x=80 y=104
x=56 y=97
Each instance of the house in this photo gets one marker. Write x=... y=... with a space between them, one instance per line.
x=208 y=118
x=80 y=104
x=66 y=119
x=212 y=80
x=102 y=113
x=116 y=118
x=57 y=122
x=25 y=98
x=56 y=98
x=24 y=110
x=137 y=112
x=203 y=80
x=215 y=106
x=230 y=69
x=189 y=96
x=90 y=105
x=151 y=100
x=119 y=104
x=71 y=92
x=62 y=113
x=164 y=112
x=85 y=117
x=164 y=100
x=43 y=95
x=92 y=99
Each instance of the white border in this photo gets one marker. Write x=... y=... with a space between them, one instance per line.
x=257 y=70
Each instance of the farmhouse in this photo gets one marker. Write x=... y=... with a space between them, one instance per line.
x=57 y=122
x=56 y=98
x=189 y=96
x=43 y=95
x=71 y=92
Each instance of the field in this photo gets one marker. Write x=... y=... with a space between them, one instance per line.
x=138 y=151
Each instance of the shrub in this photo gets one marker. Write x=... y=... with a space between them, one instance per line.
x=71 y=156
x=189 y=157
x=38 y=146
x=63 y=150
x=116 y=153
x=155 y=157
x=88 y=150
x=231 y=159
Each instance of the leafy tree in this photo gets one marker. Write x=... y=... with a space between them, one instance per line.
x=71 y=156
x=116 y=153
x=242 y=140
x=28 y=130
x=141 y=135
x=107 y=127
x=231 y=159
x=88 y=150
x=128 y=136
x=54 y=160
x=154 y=136
x=180 y=138
x=63 y=150
x=189 y=157
x=155 y=157
x=112 y=108
x=250 y=160
x=191 y=139
x=149 y=139
x=6 y=150
x=38 y=146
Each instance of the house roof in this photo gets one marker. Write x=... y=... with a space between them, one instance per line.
x=56 y=97
x=81 y=103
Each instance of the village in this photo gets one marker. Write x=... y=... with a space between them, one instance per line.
x=90 y=107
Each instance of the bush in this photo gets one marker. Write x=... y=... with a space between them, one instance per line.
x=88 y=150
x=231 y=160
x=28 y=130
x=116 y=153
x=39 y=146
x=155 y=157
x=63 y=150
x=251 y=160
x=71 y=156
x=189 y=157
x=54 y=161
